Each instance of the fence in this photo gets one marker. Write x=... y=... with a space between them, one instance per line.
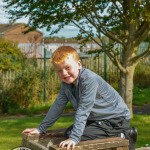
x=27 y=88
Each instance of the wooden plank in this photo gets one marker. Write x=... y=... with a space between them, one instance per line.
x=52 y=138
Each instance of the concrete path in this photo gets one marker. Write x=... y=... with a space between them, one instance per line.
x=143 y=148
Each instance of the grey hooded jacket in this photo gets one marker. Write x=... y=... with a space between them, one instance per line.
x=93 y=98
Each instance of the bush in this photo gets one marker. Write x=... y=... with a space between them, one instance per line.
x=27 y=90
x=10 y=56
x=141 y=96
x=142 y=76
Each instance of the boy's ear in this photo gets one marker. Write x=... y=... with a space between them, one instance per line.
x=80 y=64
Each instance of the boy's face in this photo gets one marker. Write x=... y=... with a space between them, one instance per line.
x=68 y=70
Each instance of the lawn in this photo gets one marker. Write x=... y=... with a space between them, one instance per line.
x=11 y=129
x=142 y=122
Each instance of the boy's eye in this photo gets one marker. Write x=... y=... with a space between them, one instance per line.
x=67 y=68
x=59 y=71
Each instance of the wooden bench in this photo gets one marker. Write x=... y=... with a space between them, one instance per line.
x=52 y=138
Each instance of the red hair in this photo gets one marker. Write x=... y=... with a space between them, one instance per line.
x=63 y=53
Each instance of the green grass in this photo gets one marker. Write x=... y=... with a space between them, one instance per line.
x=10 y=129
x=142 y=122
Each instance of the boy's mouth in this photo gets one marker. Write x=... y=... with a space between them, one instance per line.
x=67 y=78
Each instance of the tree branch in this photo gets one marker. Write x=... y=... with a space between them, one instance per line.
x=86 y=33
x=142 y=32
x=115 y=60
x=122 y=69
x=98 y=20
x=121 y=14
x=137 y=58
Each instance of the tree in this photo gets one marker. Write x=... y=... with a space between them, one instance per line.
x=10 y=56
x=124 y=22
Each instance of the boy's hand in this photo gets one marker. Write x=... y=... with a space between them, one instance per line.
x=67 y=143
x=31 y=131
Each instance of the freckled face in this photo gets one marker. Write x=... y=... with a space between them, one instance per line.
x=68 y=70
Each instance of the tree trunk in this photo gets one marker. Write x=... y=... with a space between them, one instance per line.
x=126 y=87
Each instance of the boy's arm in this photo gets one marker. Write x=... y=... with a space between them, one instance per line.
x=54 y=112
x=86 y=103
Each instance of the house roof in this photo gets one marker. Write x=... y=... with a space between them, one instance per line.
x=4 y=28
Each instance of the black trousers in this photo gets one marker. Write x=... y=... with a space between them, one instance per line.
x=103 y=129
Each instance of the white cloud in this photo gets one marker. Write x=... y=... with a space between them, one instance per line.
x=68 y=32
x=70 y=27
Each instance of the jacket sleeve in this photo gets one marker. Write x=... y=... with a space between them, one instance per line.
x=88 y=89
x=54 y=112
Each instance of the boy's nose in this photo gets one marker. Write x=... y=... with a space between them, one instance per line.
x=64 y=72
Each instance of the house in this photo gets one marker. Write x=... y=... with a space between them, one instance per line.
x=51 y=44
x=14 y=32
x=29 y=43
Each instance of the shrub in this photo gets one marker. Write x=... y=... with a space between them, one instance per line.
x=10 y=56
x=27 y=90
x=142 y=76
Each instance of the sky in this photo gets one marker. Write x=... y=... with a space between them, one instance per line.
x=68 y=31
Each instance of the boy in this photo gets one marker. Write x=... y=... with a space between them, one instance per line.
x=100 y=110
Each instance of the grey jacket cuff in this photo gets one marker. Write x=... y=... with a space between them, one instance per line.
x=40 y=130
x=76 y=140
